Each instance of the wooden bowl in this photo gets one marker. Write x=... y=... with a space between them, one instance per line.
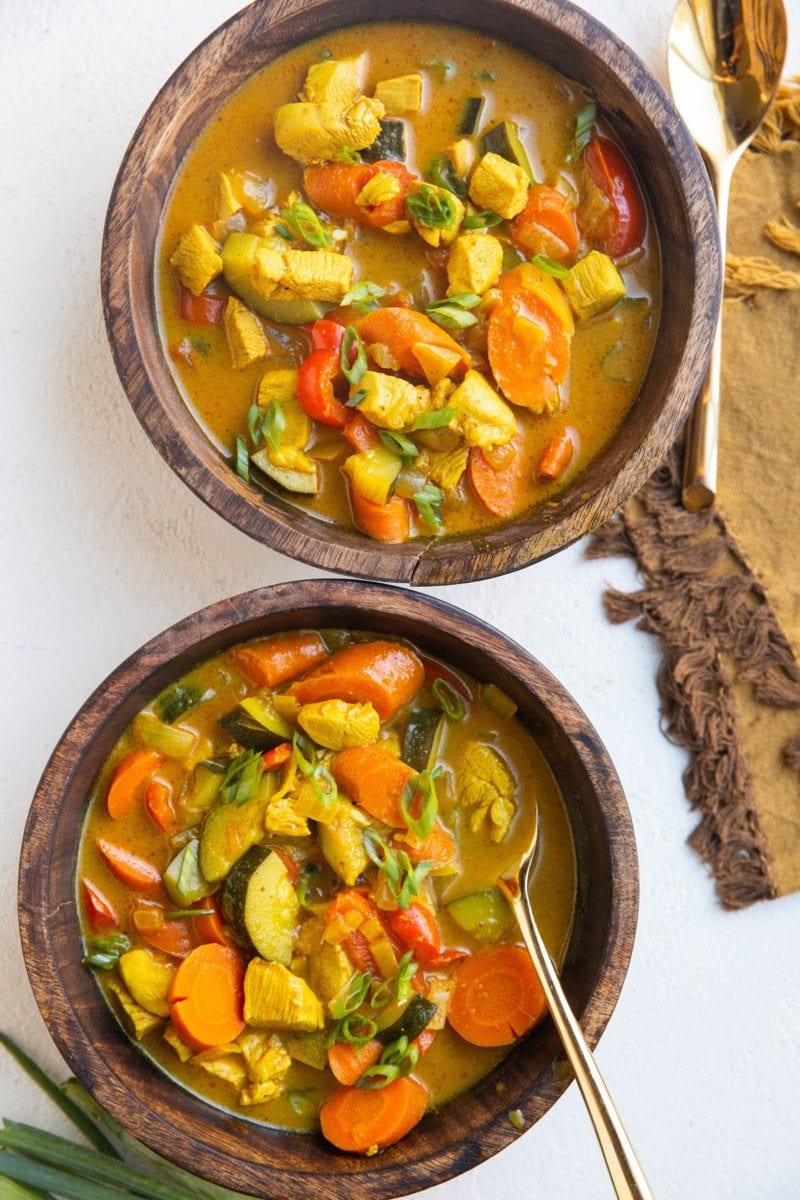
x=241 y=1154
x=677 y=185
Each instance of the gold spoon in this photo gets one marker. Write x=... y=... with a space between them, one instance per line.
x=725 y=60
x=623 y=1167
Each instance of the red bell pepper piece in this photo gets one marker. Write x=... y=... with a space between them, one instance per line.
x=202 y=309
x=416 y=928
x=99 y=910
x=318 y=374
x=612 y=173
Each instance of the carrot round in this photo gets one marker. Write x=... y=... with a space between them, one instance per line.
x=135 y=872
x=348 y=1063
x=335 y=188
x=497 y=996
x=375 y=779
x=384 y=674
x=279 y=659
x=528 y=351
x=172 y=938
x=557 y=454
x=127 y=780
x=438 y=847
x=206 y=997
x=357 y=1120
x=546 y=225
x=383 y=522
x=100 y=911
x=503 y=491
x=400 y=328
x=210 y=927
x=158 y=799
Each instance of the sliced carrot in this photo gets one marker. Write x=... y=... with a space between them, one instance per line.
x=360 y=1121
x=546 y=225
x=385 y=674
x=277 y=757
x=383 y=522
x=528 y=351
x=173 y=938
x=400 y=328
x=127 y=780
x=375 y=779
x=206 y=996
x=438 y=847
x=279 y=659
x=158 y=799
x=557 y=454
x=497 y=996
x=210 y=927
x=348 y=1063
x=335 y=188
x=100 y=911
x=503 y=491
x=355 y=944
x=136 y=873
x=361 y=433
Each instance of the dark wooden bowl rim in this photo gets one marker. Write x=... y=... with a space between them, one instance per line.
x=241 y=1154
x=571 y=41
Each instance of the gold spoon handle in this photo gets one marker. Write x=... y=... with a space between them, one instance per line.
x=702 y=429
x=623 y=1167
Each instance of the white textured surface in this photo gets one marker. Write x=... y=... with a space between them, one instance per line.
x=103 y=547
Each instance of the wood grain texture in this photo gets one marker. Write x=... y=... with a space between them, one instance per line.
x=643 y=117
x=253 y=1158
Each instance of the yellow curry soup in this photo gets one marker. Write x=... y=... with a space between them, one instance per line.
x=412 y=288
x=286 y=881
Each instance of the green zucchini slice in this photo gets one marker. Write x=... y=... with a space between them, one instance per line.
x=420 y=737
x=259 y=903
x=389 y=145
x=503 y=139
x=471 y=115
x=418 y=1013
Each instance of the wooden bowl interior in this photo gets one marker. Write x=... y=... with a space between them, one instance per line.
x=571 y=42
x=236 y=1152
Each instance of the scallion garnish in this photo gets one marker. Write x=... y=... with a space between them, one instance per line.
x=356 y=398
x=403 y=877
x=398 y=444
x=176 y=914
x=348 y=155
x=423 y=784
x=406 y=970
x=432 y=207
x=379 y=1076
x=434 y=420
x=481 y=220
x=450 y=700
x=443 y=174
x=305 y=224
x=353 y=998
x=383 y=993
x=104 y=952
x=443 y=68
x=550 y=267
x=319 y=776
x=452 y=312
x=242 y=460
x=364 y=297
x=484 y=76
x=242 y=778
x=582 y=124
x=428 y=503
x=354 y=368
x=267 y=425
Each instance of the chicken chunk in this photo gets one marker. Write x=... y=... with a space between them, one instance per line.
x=223 y=1062
x=392 y=403
x=174 y=1039
x=317 y=132
x=486 y=786
x=279 y=383
x=482 y=417
x=336 y=81
x=400 y=96
x=499 y=186
x=317 y=274
x=444 y=467
x=196 y=259
x=335 y=724
x=330 y=971
x=246 y=340
x=463 y=154
x=342 y=841
x=137 y=1021
x=147 y=978
x=435 y=213
x=474 y=264
x=593 y=286
x=274 y=998
x=267 y=1063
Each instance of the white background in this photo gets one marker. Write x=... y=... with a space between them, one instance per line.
x=103 y=547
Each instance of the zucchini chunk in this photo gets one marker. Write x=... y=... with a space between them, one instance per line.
x=418 y=1014
x=503 y=139
x=421 y=736
x=260 y=904
x=229 y=831
x=305 y=483
x=256 y=726
x=389 y=145
x=183 y=878
x=471 y=115
x=486 y=915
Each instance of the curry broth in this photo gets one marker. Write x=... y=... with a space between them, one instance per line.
x=451 y=1065
x=609 y=357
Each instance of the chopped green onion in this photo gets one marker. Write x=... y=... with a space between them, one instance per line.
x=273 y=425
x=432 y=208
x=484 y=76
x=398 y=444
x=304 y=753
x=177 y=913
x=481 y=220
x=403 y=877
x=364 y=297
x=305 y=224
x=383 y=993
x=105 y=951
x=356 y=1030
x=242 y=778
x=450 y=316
x=356 y=398
x=425 y=784
x=353 y=998
x=354 y=370
x=412 y=878
x=379 y=1076
x=326 y=795
x=406 y=970
x=310 y=869
x=428 y=503
x=401 y=1054
x=325 y=53
x=582 y=124
x=556 y=269
x=450 y=700
x=443 y=174
x=434 y=420
x=444 y=69
x=348 y=155
x=379 y=853
x=178 y=700
x=242 y=460
x=299 y=1101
